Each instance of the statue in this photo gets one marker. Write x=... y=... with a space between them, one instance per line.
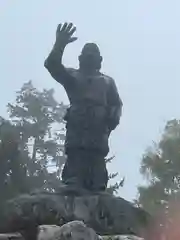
x=95 y=110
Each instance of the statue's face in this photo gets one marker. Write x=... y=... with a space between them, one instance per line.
x=90 y=57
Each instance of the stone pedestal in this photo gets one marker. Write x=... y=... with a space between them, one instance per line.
x=106 y=214
x=52 y=232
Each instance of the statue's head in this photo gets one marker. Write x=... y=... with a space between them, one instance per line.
x=90 y=58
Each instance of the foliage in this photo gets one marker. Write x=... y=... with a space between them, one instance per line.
x=29 y=142
x=160 y=166
x=34 y=114
x=113 y=188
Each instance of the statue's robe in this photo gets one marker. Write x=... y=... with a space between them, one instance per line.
x=95 y=110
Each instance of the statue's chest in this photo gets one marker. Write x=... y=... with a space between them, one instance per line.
x=91 y=85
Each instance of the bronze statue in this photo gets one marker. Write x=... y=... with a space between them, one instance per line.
x=95 y=110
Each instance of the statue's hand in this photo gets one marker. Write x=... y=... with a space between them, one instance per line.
x=64 y=34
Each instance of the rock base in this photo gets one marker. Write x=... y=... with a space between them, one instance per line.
x=51 y=232
x=106 y=214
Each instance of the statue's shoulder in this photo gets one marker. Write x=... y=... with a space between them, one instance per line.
x=109 y=80
x=72 y=71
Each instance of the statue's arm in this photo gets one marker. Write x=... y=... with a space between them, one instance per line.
x=53 y=64
x=115 y=105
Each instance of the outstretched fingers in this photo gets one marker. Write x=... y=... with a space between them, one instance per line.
x=64 y=27
x=59 y=28
x=72 y=31
x=69 y=26
x=67 y=30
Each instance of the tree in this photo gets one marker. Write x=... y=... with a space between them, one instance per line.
x=29 y=142
x=12 y=174
x=15 y=177
x=113 y=188
x=160 y=166
x=36 y=115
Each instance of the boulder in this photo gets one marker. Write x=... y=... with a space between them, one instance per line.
x=106 y=214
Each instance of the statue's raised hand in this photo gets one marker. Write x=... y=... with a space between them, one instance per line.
x=64 y=34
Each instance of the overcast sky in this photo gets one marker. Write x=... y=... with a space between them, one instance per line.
x=139 y=41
